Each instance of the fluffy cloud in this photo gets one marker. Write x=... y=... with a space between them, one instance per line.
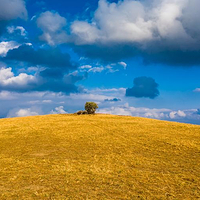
x=53 y=69
x=58 y=110
x=52 y=25
x=143 y=87
x=159 y=30
x=21 y=82
x=176 y=114
x=26 y=83
x=122 y=22
x=12 y=9
x=23 y=112
x=140 y=22
x=6 y=46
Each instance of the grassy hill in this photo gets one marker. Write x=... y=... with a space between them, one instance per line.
x=98 y=157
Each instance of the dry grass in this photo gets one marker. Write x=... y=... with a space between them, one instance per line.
x=98 y=157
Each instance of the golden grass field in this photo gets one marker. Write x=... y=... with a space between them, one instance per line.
x=98 y=157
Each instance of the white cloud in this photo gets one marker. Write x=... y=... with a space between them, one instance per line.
x=52 y=25
x=87 y=33
x=176 y=114
x=6 y=46
x=164 y=114
x=115 y=111
x=96 y=69
x=7 y=78
x=23 y=112
x=85 y=67
x=58 y=110
x=12 y=9
x=113 y=67
x=12 y=29
x=115 y=22
x=181 y=113
x=170 y=23
x=123 y=64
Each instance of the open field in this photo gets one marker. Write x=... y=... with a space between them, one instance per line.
x=98 y=157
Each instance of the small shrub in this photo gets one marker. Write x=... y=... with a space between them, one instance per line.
x=84 y=112
x=79 y=112
x=91 y=107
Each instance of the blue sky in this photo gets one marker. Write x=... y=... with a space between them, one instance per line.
x=139 y=58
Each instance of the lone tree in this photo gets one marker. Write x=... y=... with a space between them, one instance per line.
x=91 y=107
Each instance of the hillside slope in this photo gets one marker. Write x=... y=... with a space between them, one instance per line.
x=98 y=157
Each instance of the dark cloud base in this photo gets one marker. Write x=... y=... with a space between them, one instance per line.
x=143 y=87
x=51 y=57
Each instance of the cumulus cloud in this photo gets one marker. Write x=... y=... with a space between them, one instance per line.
x=53 y=72
x=27 y=83
x=141 y=28
x=21 y=82
x=58 y=110
x=12 y=9
x=143 y=87
x=135 y=21
x=24 y=112
x=176 y=114
x=122 y=22
x=6 y=46
x=52 y=25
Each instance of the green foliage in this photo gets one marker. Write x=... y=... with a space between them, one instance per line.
x=91 y=107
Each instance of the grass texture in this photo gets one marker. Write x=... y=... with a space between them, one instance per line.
x=98 y=157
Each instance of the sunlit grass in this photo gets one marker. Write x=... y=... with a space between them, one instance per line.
x=98 y=157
